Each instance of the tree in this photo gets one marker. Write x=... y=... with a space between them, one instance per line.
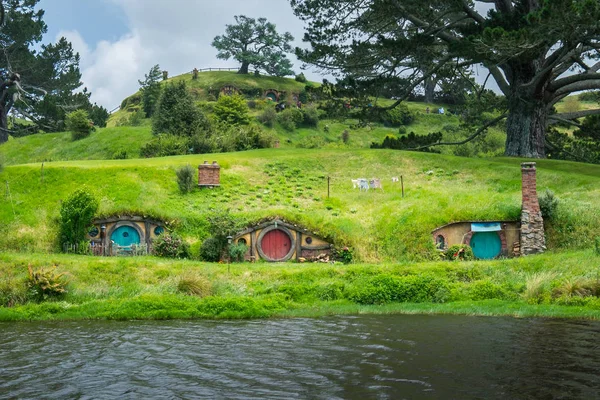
x=232 y=110
x=176 y=113
x=36 y=82
x=79 y=124
x=255 y=43
x=150 y=88
x=537 y=51
x=76 y=214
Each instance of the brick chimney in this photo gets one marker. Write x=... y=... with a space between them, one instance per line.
x=532 y=223
x=209 y=175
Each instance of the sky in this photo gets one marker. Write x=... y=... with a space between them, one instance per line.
x=120 y=40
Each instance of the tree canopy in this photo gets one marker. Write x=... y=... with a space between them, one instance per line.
x=36 y=81
x=255 y=42
x=537 y=51
x=150 y=88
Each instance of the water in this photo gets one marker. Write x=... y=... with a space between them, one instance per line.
x=364 y=357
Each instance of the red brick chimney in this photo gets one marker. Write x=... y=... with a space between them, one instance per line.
x=532 y=223
x=209 y=175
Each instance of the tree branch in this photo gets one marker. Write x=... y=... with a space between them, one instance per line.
x=467 y=140
x=573 y=79
x=499 y=78
x=576 y=114
x=578 y=86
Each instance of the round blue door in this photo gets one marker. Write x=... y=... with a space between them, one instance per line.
x=125 y=236
x=486 y=245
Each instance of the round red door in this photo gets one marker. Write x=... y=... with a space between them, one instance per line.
x=276 y=244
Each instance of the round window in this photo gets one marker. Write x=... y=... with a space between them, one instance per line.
x=159 y=230
x=309 y=240
x=440 y=242
x=93 y=232
x=242 y=241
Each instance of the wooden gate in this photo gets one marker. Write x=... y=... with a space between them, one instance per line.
x=276 y=244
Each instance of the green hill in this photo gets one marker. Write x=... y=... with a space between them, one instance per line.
x=291 y=183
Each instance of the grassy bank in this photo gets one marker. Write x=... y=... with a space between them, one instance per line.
x=553 y=285
x=292 y=184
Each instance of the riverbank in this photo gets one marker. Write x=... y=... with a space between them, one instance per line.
x=550 y=285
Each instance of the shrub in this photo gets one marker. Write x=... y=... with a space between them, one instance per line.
x=300 y=78
x=194 y=284
x=232 y=110
x=120 y=155
x=12 y=293
x=290 y=118
x=311 y=142
x=397 y=116
x=76 y=214
x=344 y=255
x=211 y=250
x=548 y=204
x=537 y=287
x=171 y=245
x=310 y=116
x=239 y=138
x=186 y=178
x=45 y=284
x=331 y=291
x=165 y=145
x=460 y=252
x=484 y=290
x=176 y=113
x=345 y=136
x=386 y=288
x=79 y=124
x=268 y=117
x=237 y=252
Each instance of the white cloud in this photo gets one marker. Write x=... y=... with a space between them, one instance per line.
x=177 y=34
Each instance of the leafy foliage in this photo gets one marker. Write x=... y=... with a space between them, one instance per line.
x=150 y=88
x=290 y=118
x=410 y=141
x=45 y=284
x=76 y=214
x=165 y=145
x=176 y=113
x=79 y=124
x=384 y=289
x=232 y=110
x=344 y=255
x=548 y=204
x=170 y=245
x=462 y=252
x=255 y=43
x=268 y=117
x=211 y=250
x=186 y=178
x=237 y=252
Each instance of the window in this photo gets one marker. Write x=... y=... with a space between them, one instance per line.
x=440 y=242
x=242 y=241
x=93 y=232
x=158 y=230
x=308 y=240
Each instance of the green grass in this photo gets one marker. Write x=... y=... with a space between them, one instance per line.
x=292 y=184
x=147 y=288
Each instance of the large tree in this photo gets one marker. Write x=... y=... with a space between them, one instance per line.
x=537 y=51
x=150 y=88
x=255 y=42
x=36 y=81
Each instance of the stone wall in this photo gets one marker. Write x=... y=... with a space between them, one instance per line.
x=532 y=223
x=209 y=175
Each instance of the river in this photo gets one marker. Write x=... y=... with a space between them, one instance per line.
x=346 y=357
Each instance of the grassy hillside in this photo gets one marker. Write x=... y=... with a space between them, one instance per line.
x=291 y=183
x=546 y=285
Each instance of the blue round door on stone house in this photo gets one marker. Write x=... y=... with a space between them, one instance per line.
x=125 y=236
x=486 y=245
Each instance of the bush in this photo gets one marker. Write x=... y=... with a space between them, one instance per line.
x=397 y=116
x=310 y=116
x=331 y=291
x=237 y=252
x=12 y=293
x=548 y=204
x=460 y=252
x=120 y=155
x=344 y=255
x=211 y=250
x=268 y=117
x=165 y=145
x=194 y=284
x=76 y=214
x=300 y=78
x=311 y=142
x=186 y=178
x=345 y=136
x=45 y=284
x=232 y=110
x=79 y=124
x=171 y=245
x=176 y=113
x=290 y=118
x=485 y=290
x=384 y=289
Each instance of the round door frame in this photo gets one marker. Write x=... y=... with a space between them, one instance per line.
x=121 y=224
x=272 y=228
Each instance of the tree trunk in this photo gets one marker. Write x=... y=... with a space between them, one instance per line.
x=430 y=84
x=3 y=126
x=526 y=129
x=244 y=68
